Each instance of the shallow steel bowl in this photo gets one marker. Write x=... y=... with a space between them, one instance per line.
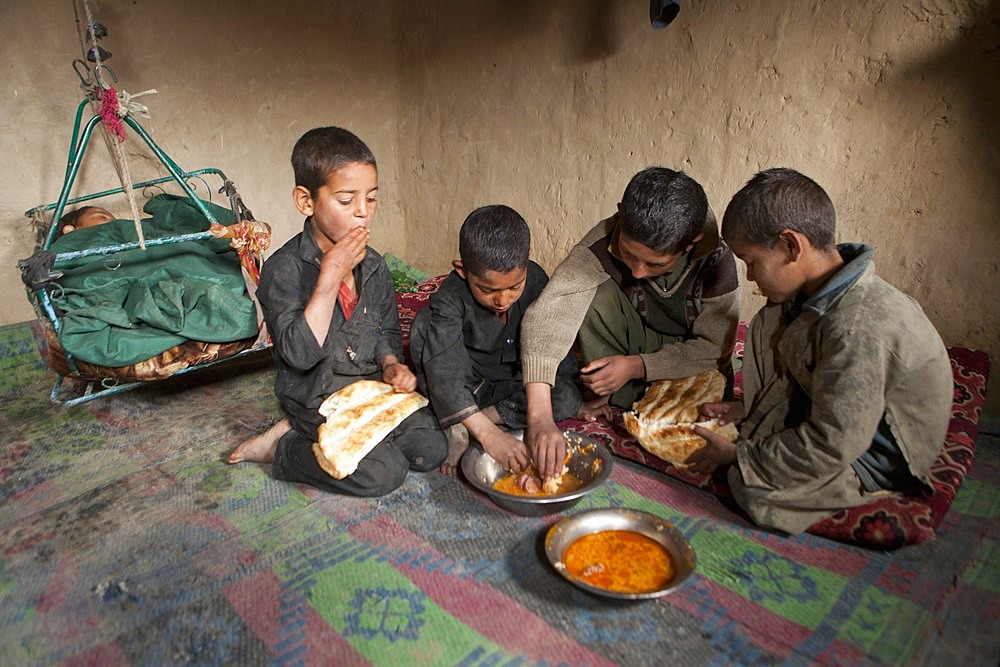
x=589 y=461
x=570 y=529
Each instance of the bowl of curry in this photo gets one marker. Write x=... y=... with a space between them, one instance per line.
x=620 y=553
x=588 y=465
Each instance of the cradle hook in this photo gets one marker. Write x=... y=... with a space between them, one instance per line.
x=100 y=79
x=84 y=75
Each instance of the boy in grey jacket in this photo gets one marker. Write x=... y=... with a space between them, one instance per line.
x=847 y=385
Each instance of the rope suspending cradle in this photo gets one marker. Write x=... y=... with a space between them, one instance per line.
x=42 y=272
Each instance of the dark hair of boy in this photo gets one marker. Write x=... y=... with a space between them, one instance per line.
x=778 y=199
x=323 y=150
x=663 y=209
x=494 y=238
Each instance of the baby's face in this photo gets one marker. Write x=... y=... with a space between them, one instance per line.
x=93 y=216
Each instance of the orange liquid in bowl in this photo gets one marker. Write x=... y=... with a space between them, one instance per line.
x=508 y=484
x=621 y=561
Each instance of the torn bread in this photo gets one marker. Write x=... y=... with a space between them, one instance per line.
x=358 y=417
x=661 y=421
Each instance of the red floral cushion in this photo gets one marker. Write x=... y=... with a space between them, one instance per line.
x=885 y=523
x=894 y=521
x=409 y=303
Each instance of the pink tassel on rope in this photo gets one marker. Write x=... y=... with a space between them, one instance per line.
x=109 y=114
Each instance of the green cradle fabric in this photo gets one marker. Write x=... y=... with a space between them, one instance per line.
x=129 y=306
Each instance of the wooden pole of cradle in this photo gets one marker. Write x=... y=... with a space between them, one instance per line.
x=112 y=106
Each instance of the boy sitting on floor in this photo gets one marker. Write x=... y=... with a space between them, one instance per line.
x=465 y=343
x=330 y=306
x=847 y=385
x=650 y=293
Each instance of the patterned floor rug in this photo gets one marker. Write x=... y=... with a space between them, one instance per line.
x=126 y=541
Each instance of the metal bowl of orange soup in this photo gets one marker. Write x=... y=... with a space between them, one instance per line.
x=620 y=553
x=589 y=464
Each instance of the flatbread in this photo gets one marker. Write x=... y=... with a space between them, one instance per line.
x=661 y=421
x=358 y=417
x=679 y=401
x=353 y=395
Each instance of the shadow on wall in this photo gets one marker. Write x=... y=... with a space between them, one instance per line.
x=594 y=36
x=590 y=26
x=973 y=61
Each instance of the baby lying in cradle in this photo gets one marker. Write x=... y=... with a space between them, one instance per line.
x=83 y=217
x=129 y=306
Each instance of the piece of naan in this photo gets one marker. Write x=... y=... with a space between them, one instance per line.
x=661 y=421
x=358 y=417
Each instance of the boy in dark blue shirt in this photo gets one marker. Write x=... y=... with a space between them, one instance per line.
x=465 y=343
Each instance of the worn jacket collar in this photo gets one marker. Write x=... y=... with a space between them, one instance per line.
x=858 y=260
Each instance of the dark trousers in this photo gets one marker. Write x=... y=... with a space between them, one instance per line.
x=514 y=408
x=416 y=444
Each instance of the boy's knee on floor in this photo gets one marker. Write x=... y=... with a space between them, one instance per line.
x=426 y=448
x=385 y=482
x=426 y=463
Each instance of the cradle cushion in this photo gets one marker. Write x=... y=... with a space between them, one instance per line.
x=189 y=354
x=120 y=309
x=887 y=522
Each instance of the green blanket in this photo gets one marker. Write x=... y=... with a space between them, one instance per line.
x=127 y=307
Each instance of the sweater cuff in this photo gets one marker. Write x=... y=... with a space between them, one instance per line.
x=536 y=369
x=654 y=366
x=662 y=366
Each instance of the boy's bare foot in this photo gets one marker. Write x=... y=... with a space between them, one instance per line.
x=458 y=442
x=261 y=447
x=594 y=408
